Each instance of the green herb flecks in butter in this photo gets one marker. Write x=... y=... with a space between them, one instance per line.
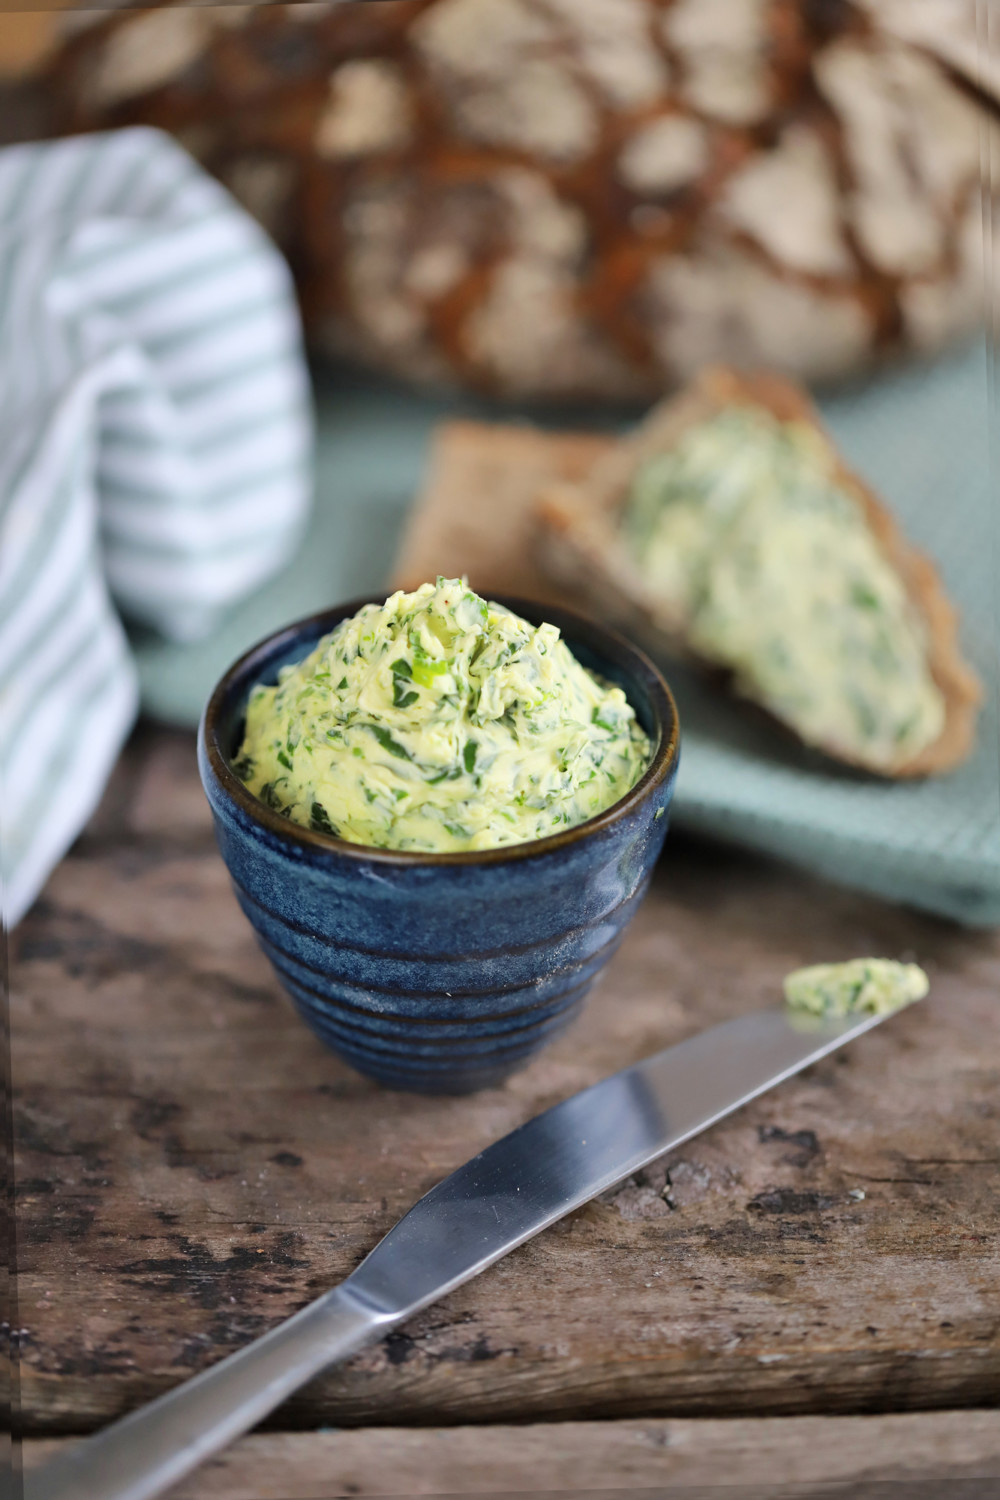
x=875 y=985
x=767 y=566
x=439 y=722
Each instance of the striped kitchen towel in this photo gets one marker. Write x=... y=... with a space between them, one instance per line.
x=155 y=447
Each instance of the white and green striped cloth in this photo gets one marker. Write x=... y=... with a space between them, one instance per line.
x=155 y=447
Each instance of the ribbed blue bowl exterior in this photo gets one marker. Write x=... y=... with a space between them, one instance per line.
x=438 y=977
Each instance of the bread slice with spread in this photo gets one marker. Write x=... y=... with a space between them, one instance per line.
x=728 y=529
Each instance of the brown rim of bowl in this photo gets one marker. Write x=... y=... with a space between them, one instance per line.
x=660 y=766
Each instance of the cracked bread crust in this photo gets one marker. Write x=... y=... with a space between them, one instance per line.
x=581 y=545
x=583 y=199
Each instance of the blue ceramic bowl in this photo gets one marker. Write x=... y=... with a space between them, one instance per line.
x=439 y=973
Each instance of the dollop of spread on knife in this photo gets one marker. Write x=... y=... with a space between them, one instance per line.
x=876 y=985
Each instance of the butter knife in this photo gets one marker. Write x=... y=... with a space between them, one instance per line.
x=509 y=1192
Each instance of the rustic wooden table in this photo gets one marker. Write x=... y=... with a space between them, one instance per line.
x=811 y=1291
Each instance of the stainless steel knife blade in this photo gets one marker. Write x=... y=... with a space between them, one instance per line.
x=509 y=1192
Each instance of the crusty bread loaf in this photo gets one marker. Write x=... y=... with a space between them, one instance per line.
x=585 y=198
x=582 y=546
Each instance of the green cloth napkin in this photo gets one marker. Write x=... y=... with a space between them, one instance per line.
x=155 y=452
x=921 y=436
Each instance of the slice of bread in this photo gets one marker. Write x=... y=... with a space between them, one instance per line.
x=582 y=546
x=475 y=514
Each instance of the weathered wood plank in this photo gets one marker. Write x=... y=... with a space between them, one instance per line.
x=619 y=1456
x=193 y=1165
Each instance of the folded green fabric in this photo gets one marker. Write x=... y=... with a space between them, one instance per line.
x=920 y=436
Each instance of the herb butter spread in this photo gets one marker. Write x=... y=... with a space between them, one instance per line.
x=768 y=566
x=439 y=722
x=877 y=985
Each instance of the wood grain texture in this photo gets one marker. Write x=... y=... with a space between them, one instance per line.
x=193 y=1165
x=619 y=1456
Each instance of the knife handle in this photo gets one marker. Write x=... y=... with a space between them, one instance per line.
x=145 y=1453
